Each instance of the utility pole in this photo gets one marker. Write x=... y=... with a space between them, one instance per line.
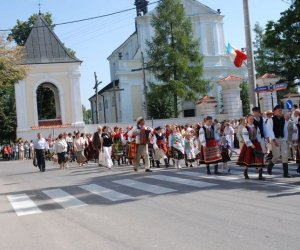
x=115 y=99
x=250 y=60
x=145 y=86
x=97 y=102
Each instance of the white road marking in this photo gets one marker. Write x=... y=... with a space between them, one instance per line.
x=63 y=198
x=106 y=193
x=212 y=177
x=199 y=184
x=154 y=189
x=23 y=205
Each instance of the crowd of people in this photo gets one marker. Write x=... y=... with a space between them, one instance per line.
x=263 y=140
x=17 y=151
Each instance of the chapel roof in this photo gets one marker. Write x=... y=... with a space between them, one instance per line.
x=207 y=99
x=230 y=78
x=108 y=87
x=43 y=46
x=268 y=76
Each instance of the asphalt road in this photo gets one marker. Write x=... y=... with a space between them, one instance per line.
x=96 y=208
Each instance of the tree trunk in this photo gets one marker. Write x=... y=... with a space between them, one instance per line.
x=175 y=105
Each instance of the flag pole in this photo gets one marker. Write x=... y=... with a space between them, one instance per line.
x=250 y=57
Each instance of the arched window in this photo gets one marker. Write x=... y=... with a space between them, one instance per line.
x=48 y=104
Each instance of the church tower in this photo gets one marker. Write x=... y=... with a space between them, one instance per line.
x=49 y=97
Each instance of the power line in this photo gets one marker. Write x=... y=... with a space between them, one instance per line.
x=89 y=18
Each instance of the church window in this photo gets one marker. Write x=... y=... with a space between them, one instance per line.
x=48 y=102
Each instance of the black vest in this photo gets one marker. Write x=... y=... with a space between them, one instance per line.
x=260 y=125
x=278 y=126
x=159 y=137
x=209 y=134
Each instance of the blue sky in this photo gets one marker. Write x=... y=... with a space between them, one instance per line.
x=94 y=40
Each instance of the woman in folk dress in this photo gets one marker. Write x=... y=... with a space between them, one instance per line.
x=251 y=154
x=176 y=143
x=210 y=150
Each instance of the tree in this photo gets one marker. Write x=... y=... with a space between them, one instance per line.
x=160 y=105
x=174 y=56
x=245 y=97
x=11 y=69
x=283 y=37
x=87 y=115
x=21 y=30
x=8 y=119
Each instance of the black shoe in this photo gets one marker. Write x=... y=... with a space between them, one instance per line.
x=270 y=167
x=298 y=169
x=285 y=167
x=228 y=171
x=260 y=176
x=191 y=166
x=246 y=174
x=216 y=172
x=43 y=170
x=166 y=163
x=135 y=169
x=208 y=170
x=186 y=164
x=148 y=170
x=157 y=164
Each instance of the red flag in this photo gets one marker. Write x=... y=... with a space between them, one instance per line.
x=239 y=58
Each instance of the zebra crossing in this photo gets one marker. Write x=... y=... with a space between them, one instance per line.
x=23 y=204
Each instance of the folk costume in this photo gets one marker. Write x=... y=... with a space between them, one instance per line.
x=296 y=144
x=117 y=146
x=209 y=147
x=141 y=134
x=191 y=149
x=225 y=148
x=278 y=135
x=261 y=125
x=176 y=143
x=251 y=154
x=160 y=147
x=106 y=144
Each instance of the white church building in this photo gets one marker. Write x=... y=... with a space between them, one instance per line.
x=127 y=82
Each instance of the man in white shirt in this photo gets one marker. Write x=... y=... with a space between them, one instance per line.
x=40 y=145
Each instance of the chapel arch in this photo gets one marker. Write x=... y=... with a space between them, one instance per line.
x=48 y=104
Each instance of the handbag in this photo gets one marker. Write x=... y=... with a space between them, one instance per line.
x=101 y=158
x=35 y=162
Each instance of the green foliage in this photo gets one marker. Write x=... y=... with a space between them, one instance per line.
x=87 y=115
x=245 y=97
x=21 y=30
x=11 y=69
x=45 y=103
x=266 y=59
x=174 y=54
x=283 y=37
x=160 y=104
x=8 y=120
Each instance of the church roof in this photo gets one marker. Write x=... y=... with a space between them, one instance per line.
x=268 y=76
x=108 y=87
x=207 y=99
x=43 y=46
x=230 y=78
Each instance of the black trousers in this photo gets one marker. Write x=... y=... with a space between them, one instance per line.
x=40 y=156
